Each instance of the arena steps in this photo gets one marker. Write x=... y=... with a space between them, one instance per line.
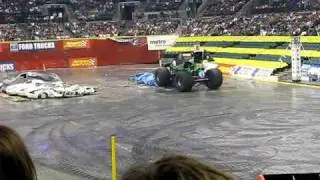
x=279 y=52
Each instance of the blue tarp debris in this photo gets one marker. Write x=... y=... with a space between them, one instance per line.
x=146 y=78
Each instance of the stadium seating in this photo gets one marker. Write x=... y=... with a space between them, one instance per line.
x=81 y=18
x=168 y=5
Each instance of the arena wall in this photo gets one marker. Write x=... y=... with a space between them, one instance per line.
x=257 y=51
x=75 y=53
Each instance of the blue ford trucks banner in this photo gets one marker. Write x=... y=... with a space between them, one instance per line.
x=32 y=46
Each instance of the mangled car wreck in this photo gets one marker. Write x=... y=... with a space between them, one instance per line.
x=42 y=85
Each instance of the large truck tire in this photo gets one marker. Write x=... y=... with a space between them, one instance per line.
x=215 y=79
x=162 y=77
x=183 y=81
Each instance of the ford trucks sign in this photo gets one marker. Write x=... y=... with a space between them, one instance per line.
x=7 y=67
x=32 y=46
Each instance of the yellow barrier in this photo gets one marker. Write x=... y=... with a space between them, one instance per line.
x=235 y=38
x=224 y=70
x=304 y=39
x=249 y=62
x=279 y=52
x=113 y=158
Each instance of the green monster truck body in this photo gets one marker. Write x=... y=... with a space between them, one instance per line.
x=185 y=75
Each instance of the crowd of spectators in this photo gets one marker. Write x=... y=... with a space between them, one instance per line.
x=286 y=6
x=112 y=28
x=223 y=7
x=168 y=5
x=305 y=23
x=91 y=10
x=11 y=32
x=87 y=29
x=45 y=30
x=152 y=27
x=92 y=18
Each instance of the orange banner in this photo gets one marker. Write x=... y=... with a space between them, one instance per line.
x=83 y=62
x=76 y=44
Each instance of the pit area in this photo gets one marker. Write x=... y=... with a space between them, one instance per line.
x=245 y=127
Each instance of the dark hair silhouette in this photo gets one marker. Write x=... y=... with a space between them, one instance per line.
x=176 y=168
x=15 y=161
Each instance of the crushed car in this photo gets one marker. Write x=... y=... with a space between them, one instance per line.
x=42 y=85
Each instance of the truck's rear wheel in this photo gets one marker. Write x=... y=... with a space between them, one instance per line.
x=162 y=77
x=215 y=78
x=183 y=81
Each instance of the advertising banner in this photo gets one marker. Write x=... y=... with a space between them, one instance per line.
x=135 y=41
x=251 y=72
x=76 y=44
x=87 y=62
x=7 y=66
x=161 y=42
x=1 y=48
x=32 y=46
x=310 y=73
x=264 y=72
x=244 y=71
x=34 y=55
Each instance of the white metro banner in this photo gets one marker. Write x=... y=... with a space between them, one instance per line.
x=161 y=42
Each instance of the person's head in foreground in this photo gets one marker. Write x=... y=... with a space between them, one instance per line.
x=15 y=161
x=176 y=168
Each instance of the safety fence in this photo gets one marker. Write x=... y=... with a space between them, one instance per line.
x=74 y=53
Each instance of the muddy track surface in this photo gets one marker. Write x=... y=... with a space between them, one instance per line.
x=247 y=128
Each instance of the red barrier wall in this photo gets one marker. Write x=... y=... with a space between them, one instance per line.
x=76 y=53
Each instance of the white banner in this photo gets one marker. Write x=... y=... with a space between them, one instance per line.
x=161 y=42
x=251 y=72
x=264 y=72
x=310 y=73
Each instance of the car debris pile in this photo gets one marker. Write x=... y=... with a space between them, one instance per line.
x=145 y=78
x=43 y=85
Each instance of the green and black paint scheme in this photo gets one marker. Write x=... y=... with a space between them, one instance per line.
x=185 y=73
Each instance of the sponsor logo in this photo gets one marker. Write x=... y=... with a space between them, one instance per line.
x=83 y=62
x=76 y=44
x=251 y=72
x=139 y=42
x=32 y=46
x=158 y=42
x=161 y=42
x=136 y=41
x=14 y=47
x=7 y=67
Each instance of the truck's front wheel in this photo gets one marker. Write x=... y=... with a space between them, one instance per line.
x=162 y=77
x=215 y=78
x=183 y=81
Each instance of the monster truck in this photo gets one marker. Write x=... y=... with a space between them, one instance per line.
x=186 y=73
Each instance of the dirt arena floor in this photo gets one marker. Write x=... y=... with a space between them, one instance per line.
x=245 y=127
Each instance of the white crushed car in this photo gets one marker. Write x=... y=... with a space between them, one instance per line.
x=42 y=85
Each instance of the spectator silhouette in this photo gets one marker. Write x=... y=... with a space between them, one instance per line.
x=176 y=168
x=15 y=161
